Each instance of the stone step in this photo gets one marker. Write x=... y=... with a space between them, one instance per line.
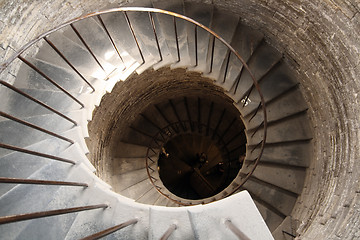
x=224 y=25
x=65 y=77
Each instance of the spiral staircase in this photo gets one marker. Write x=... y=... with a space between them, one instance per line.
x=248 y=130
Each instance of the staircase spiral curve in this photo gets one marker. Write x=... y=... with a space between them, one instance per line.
x=250 y=125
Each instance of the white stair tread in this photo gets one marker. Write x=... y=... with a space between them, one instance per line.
x=208 y=220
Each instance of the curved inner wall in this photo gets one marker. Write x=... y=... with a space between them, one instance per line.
x=121 y=109
x=321 y=38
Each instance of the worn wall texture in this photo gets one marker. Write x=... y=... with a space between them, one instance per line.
x=321 y=38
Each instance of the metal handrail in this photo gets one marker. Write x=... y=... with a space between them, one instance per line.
x=34 y=215
x=168 y=232
x=34 y=153
x=40 y=182
x=110 y=230
x=236 y=230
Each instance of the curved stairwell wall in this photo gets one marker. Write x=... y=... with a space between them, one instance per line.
x=320 y=39
x=147 y=103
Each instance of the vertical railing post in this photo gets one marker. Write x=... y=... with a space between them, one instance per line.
x=168 y=232
x=236 y=231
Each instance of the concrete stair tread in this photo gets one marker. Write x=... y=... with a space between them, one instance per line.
x=135 y=136
x=149 y=63
x=218 y=211
x=54 y=122
x=167 y=27
x=76 y=152
x=287 y=178
x=76 y=135
x=58 y=226
x=124 y=181
x=120 y=210
x=161 y=219
x=294 y=154
x=123 y=165
x=224 y=25
x=202 y=14
x=277 y=108
x=144 y=33
x=136 y=191
x=183 y=46
x=245 y=42
x=171 y=204
x=162 y=35
x=80 y=116
x=274 y=84
x=55 y=99
x=17 y=161
x=22 y=135
x=124 y=40
x=150 y=197
x=279 y=200
x=66 y=78
x=53 y=147
x=92 y=32
x=161 y=201
x=28 y=108
x=289 y=129
x=26 y=195
x=157 y=117
x=76 y=54
x=261 y=62
x=272 y=219
x=127 y=150
x=287 y=228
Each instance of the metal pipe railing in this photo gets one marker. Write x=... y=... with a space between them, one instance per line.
x=39 y=154
x=36 y=69
x=52 y=45
x=37 y=101
x=34 y=215
x=86 y=46
x=134 y=36
x=236 y=230
x=111 y=39
x=40 y=182
x=155 y=35
x=168 y=232
x=108 y=231
x=8 y=116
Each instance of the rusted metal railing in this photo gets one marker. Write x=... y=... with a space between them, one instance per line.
x=34 y=215
x=168 y=232
x=108 y=231
x=8 y=116
x=35 y=153
x=236 y=230
x=40 y=182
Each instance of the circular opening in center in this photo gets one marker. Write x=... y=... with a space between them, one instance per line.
x=194 y=166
